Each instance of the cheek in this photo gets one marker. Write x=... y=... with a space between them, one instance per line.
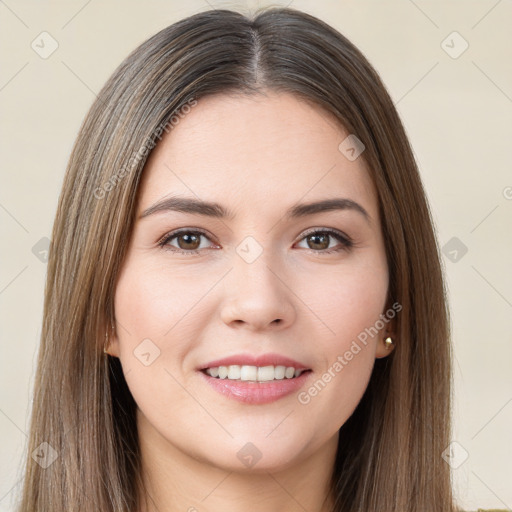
x=347 y=300
x=139 y=303
x=153 y=302
x=156 y=310
x=350 y=306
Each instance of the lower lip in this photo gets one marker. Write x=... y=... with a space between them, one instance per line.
x=256 y=392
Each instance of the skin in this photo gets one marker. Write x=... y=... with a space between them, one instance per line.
x=258 y=156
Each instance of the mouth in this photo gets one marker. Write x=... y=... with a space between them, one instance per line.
x=255 y=379
x=252 y=373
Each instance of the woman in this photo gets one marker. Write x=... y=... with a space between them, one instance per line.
x=245 y=307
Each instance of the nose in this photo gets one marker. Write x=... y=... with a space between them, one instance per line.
x=257 y=297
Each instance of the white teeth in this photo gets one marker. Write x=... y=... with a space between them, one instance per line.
x=265 y=373
x=289 y=373
x=254 y=373
x=249 y=373
x=279 y=372
x=233 y=372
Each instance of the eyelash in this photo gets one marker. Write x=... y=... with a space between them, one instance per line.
x=346 y=242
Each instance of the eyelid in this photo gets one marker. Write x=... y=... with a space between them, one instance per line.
x=325 y=230
x=178 y=231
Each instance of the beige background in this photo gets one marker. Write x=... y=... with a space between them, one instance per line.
x=457 y=112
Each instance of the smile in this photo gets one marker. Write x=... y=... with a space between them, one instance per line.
x=254 y=373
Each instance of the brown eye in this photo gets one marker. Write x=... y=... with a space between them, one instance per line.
x=319 y=241
x=188 y=241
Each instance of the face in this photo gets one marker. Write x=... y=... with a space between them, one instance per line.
x=267 y=284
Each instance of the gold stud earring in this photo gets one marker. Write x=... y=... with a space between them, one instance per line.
x=388 y=342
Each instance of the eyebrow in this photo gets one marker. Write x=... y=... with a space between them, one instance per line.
x=212 y=209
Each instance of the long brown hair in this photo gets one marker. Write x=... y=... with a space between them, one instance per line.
x=389 y=455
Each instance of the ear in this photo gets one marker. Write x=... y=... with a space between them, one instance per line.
x=111 y=343
x=384 y=349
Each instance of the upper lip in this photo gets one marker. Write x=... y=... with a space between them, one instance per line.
x=269 y=359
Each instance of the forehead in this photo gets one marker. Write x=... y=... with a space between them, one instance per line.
x=253 y=152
